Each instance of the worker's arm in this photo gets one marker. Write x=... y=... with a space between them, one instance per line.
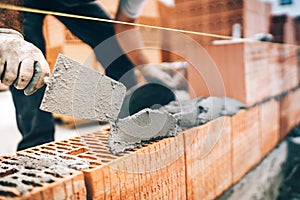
x=21 y=63
x=128 y=11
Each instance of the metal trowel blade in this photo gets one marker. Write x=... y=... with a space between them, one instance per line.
x=78 y=91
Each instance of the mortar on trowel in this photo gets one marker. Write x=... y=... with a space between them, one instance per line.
x=78 y=91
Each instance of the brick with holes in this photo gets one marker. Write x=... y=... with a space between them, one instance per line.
x=41 y=177
x=208 y=159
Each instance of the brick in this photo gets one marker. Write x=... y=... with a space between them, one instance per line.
x=218 y=17
x=209 y=170
x=20 y=179
x=201 y=162
x=290 y=66
x=258 y=71
x=287 y=114
x=156 y=170
x=269 y=126
x=92 y=147
x=161 y=169
x=245 y=142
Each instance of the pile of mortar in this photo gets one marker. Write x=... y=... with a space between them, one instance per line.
x=133 y=121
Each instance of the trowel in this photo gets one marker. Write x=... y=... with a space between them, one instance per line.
x=81 y=92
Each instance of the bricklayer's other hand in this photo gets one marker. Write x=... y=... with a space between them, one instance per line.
x=157 y=73
x=21 y=63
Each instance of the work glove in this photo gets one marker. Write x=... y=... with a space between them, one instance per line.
x=160 y=74
x=21 y=63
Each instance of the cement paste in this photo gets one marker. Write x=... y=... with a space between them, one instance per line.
x=145 y=125
x=81 y=92
x=186 y=112
x=191 y=113
x=214 y=107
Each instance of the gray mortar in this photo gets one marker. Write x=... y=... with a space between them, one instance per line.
x=78 y=91
x=186 y=112
x=191 y=113
x=34 y=171
x=148 y=124
x=145 y=125
x=214 y=107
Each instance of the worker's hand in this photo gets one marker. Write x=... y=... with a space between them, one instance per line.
x=156 y=73
x=21 y=63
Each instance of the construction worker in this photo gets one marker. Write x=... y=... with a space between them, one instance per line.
x=37 y=127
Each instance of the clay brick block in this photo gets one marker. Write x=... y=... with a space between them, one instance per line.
x=218 y=17
x=245 y=142
x=161 y=169
x=290 y=66
x=269 y=126
x=93 y=147
x=251 y=71
x=155 y=171
x=22 y=180
x=287 y=111
x=208 y=159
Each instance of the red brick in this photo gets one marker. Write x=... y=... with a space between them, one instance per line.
x=287 y=113
x=269 y=126
x=208 y=159
x=245 y=142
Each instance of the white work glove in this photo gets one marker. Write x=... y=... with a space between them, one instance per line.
x=160 y=74
x=21 y=63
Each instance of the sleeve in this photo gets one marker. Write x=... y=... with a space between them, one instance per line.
x=132 y=8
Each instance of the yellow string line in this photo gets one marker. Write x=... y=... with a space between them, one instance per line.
x=32 y=10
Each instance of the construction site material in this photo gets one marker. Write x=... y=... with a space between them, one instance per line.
x=42 y=177
x=208 y=159
x=289 y=111
x=214 y=107
x=186 y=112
x=148 y=124
x=143 y=126
x=269 y=126
x=194 y=112
x=78 y=91
x=245 y=142
x=258 y=71
x=157 y=170
x=284 y=29
x=217 y=17
x=220 y=153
